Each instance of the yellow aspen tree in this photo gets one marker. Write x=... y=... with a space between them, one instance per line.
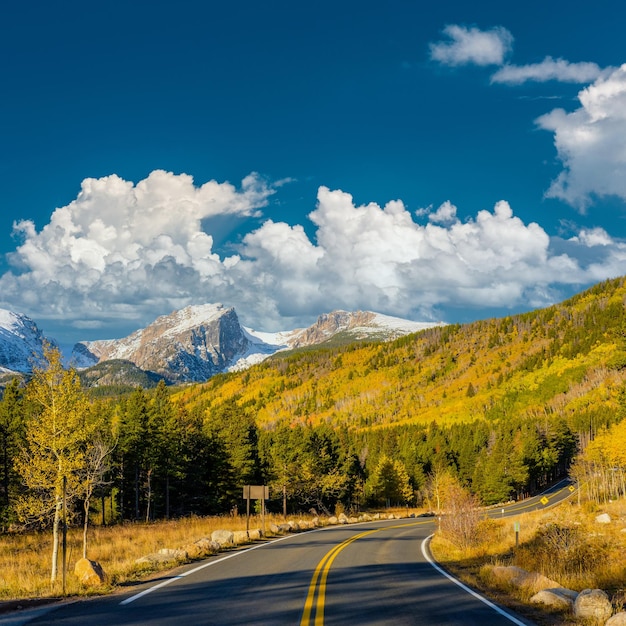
x=57 y=436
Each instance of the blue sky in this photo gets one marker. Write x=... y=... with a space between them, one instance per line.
x=436 y=161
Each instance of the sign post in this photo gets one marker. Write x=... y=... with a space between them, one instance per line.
x=516 y=526
x=255 y=492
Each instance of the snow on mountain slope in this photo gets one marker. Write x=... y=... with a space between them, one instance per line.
x=21 y=342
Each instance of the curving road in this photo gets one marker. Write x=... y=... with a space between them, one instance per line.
x=371 y=573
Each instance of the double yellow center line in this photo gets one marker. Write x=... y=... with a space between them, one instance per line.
x=313 y=614
x=319 y=576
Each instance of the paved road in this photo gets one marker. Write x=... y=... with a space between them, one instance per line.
x=373 y=573
x=556 y=494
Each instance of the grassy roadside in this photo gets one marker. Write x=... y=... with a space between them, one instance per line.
x=566 y=544
x=25 y=559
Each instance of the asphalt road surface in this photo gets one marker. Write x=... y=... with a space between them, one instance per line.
x=371 y=573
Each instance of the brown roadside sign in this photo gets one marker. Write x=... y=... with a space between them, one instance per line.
x=256 y=492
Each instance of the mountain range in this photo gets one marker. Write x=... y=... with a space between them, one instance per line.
x=190 y=345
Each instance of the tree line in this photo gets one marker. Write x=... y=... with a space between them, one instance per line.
x=148 y=455
x=144 y=456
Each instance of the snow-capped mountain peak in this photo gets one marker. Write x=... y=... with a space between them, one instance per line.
x=21 y=342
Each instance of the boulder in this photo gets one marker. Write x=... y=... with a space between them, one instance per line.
x=520 y=578
x=89 y=573
x=274 y=529
x=603 y=518
x=593 y=604
x=223 y=537
x=240 y=536
x=207 y=546
x=255 y=534
x=558 y=598
x=163 y=556
x=316 y=521
x=174 y=555
x=343 y=518
x=193 y=550
x=333 y=520
x=155 y=559
x=510 y=574
x=619 y=619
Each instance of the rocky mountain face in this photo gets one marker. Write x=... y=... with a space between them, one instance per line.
x=354 y=326
x=192 y=344
x=21 y=343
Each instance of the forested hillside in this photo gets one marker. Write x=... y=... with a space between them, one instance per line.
x=501 y=407
x=504 y=404
x=567 y=359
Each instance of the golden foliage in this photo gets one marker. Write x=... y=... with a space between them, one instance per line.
x=564 y=359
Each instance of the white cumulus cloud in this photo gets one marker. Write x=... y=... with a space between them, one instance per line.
x=121 y=254
x=472 y=45
x=591 y=142
x=118 y=247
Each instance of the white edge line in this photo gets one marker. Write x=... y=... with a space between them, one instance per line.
x=164 y=583
x=484 y=600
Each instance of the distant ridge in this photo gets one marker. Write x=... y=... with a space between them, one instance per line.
x=197 y=342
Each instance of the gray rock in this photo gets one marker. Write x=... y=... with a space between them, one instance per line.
x=593 y=604
x=240 y=536
x=603 y=518
x=207 y=546
x=173 y=554
x=559 y=598
x=155 y=559
x=223 y=537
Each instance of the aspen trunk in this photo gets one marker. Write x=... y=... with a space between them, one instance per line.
x=56 y=524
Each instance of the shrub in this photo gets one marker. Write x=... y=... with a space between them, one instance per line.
x=566 y=553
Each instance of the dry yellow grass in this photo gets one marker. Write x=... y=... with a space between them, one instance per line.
x=25 y=560
x=565 y=544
